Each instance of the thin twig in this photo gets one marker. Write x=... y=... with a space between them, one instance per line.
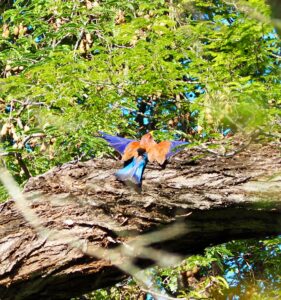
x=34 y=135
x=77 y=42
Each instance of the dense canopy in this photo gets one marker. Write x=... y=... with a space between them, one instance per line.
x=187 y=69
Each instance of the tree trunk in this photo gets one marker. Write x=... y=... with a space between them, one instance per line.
x=216 y=198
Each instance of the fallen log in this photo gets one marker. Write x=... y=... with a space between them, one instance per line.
x=216 y=198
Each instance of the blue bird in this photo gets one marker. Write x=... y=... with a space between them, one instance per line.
x=136 y=155
x=132 y=172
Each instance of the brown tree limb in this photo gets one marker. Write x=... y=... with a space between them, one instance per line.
x=22 y=164
x=216 y=198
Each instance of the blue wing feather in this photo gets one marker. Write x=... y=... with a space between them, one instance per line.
x=132 y=173
x=118 y=143
x=175 y=147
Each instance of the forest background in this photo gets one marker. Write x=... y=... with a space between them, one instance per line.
x=202 y=71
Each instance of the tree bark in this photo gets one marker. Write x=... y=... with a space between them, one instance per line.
x=217 y=198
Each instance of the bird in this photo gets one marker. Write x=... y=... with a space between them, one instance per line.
x=136 y=154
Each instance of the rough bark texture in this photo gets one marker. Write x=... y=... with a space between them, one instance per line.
x=227 y=197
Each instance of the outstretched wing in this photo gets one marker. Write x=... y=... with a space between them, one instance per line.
x=164 y=150
x=175 y=147
x=118 y=143
x=131 y=150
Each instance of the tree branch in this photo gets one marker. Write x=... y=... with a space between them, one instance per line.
x=93 y=229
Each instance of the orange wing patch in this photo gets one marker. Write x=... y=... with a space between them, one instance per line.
x=156 y=152
x=159 y=152
x=131 y=151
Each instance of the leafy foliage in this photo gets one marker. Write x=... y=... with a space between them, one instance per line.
x=187 y=69
x=191 y=69
x=248 y=269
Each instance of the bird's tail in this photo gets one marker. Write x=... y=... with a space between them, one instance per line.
x=131 y=174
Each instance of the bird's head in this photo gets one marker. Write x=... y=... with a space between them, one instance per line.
x=147 y=140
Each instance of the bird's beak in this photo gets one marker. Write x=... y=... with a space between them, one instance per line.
x=151 y=132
